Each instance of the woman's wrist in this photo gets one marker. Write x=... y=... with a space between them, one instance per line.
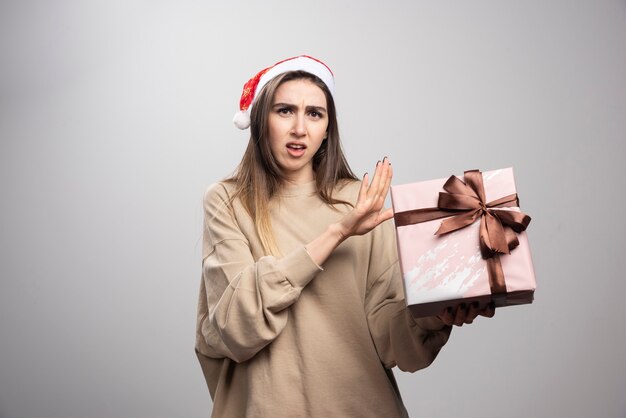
x=337 y=232
x=321 y=247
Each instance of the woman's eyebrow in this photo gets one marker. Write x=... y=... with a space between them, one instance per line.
x=320 y=109
x=288 y=105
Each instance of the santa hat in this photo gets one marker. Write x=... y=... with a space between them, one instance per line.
x=256 y=83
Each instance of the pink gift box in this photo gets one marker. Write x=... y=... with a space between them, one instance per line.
x=442 y=271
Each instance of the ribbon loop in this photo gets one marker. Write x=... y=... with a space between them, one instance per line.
x=518 y=221
x=474 y=179
x=455 y=185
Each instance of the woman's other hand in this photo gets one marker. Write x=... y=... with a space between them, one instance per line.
x=466 y=314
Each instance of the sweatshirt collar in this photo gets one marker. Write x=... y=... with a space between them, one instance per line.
x=294 y=190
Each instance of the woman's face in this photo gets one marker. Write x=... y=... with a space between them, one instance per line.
x=297 y=124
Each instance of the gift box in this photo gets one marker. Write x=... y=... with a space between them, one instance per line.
x=463 y=241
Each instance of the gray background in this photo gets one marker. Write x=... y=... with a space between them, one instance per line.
x=115 y=116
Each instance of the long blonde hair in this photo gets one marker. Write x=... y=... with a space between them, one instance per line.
x=258 y=176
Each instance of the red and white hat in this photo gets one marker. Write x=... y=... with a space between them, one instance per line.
x=256 y=83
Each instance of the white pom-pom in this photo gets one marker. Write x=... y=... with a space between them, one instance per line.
x=242 y=119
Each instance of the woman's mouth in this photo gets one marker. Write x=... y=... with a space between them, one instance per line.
x=296 y=149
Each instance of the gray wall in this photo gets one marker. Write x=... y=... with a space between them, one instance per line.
x=115 y=116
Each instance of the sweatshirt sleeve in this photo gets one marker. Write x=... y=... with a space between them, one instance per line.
x=401 y=340
x=244 y=304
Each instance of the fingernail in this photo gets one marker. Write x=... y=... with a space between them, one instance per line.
x=365 y=175
x=377 y=163
x=385 y=159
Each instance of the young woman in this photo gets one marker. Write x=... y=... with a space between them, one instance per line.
x=301 y=310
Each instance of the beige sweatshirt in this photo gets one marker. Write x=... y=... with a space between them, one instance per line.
x=284 y=337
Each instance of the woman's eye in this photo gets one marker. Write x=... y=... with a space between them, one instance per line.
x=284 y=111
x=315 y=114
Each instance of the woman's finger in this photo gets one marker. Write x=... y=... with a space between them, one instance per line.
x=373 y=190
x=379 y=192
x=387 y=181
x=385 y=215
x=472 y=313
x=446 y=316
x=363 y=189
x=461 y=313
x=489 y=311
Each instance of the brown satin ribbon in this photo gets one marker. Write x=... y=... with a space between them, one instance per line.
x=462 y=205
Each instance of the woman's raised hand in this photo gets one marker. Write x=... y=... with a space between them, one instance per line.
x=365 y=216
x=368 y=211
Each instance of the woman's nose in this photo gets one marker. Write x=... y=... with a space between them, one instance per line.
x=299 y=125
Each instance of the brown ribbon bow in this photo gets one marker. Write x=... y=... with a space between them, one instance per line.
x=463 y=204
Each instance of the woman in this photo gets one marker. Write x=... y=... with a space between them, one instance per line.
x=301 y=310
